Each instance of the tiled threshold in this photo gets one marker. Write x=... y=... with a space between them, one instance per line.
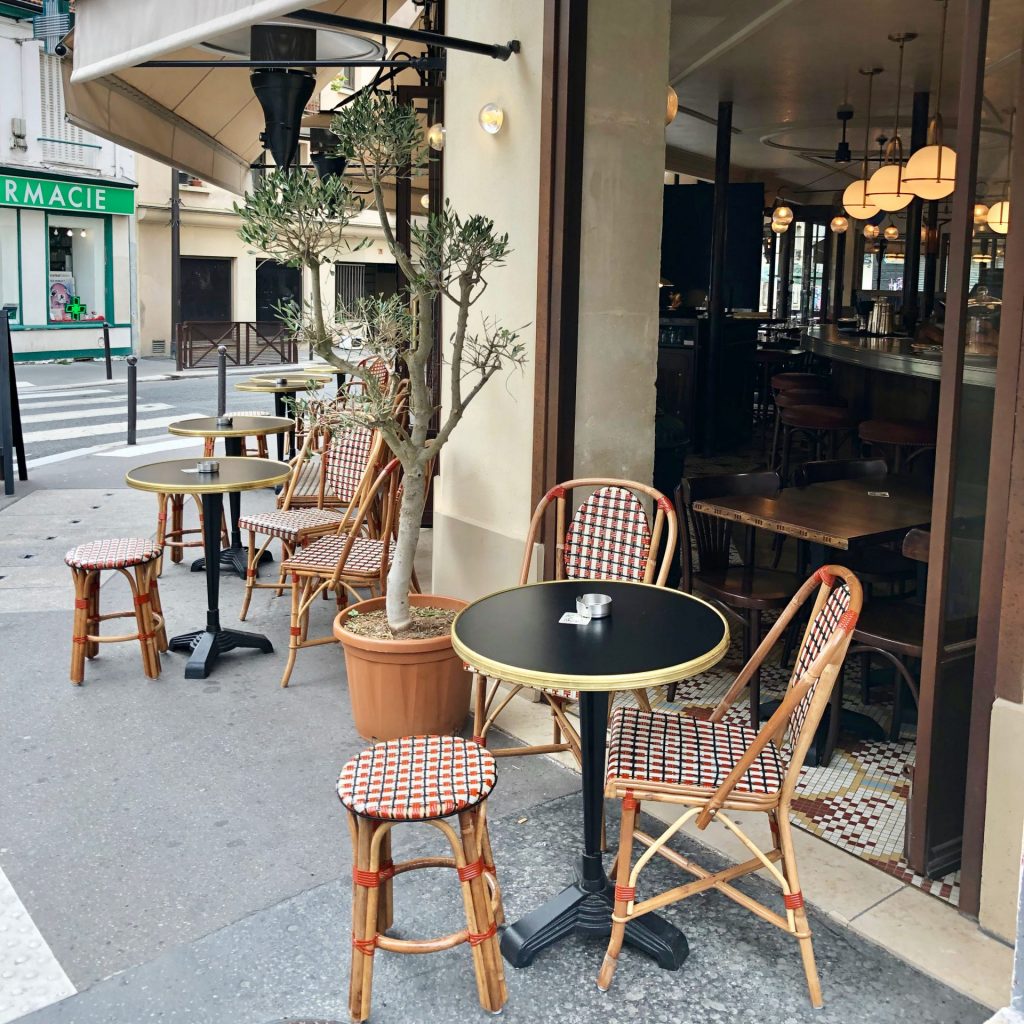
x=919 y=929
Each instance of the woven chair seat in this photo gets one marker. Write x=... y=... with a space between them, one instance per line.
x=292 y=524
x=676 y=750
x=417 y=778
x=323 y=554
x=118 y=553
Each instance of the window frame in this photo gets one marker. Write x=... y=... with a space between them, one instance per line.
x=17 y=320
x=108 y=270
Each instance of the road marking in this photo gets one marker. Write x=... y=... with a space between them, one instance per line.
x=31 y=977
x=95 y=429
x=35 y=404
x=67 y=394
x=77 y=414
x=132 y=451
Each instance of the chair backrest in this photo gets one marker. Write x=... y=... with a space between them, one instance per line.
x=710 y=535
x=826 y=470
x=348 y=459
x=610 y=536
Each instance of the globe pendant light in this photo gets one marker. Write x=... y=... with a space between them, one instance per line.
x=783 y=215
x=980 y=213
x=886 y=188
x=671 y=105
x=839 y=225
x=998 y=218
x=854 y=199
x=871 y=231
x=891 y=233
x=779 y=228
x=931 y=172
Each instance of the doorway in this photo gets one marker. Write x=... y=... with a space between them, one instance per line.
x=276 y=283
x=205 y=289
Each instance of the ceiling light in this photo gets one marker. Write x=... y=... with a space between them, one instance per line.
x=855 y=197
x=779 y=228
x=70 y=233
x=980 y=213
x=998 y=218
x=843 y=154
x=886 y=188
x=671 y=105
x=492 y=117
x=891 y=233
x=871 y=231
x=435 y=137
x=81 y=233
x=782 y=215
x=839 y=225
x=425 y=201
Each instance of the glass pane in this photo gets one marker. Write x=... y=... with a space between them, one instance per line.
x=10 y=274
x=77 y=261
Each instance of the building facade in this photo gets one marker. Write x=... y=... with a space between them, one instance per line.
x=67 y=204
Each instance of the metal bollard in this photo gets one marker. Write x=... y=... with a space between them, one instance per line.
x=106 y=350
x=133 y=397
x=222 y=380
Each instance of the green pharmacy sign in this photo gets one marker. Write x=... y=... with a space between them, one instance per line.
x=69 y=196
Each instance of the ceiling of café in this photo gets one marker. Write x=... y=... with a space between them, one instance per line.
x=788 y=64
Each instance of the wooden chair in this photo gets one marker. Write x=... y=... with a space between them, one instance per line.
x=87 y=562
x=608 y=538
x=170 y=508
x=344 y=562
x=746 y=590
x=710 y=767
x=422 y=779
x=348 y=465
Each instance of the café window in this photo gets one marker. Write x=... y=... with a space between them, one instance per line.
x=77 y=264
x=10 y=265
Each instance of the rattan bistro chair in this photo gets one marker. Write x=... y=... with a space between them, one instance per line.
x=711 y=767
x=608 y=538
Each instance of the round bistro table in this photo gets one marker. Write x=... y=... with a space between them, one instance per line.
x=282 y=392
x=234 y=556
x=654 y=635
x=236 y=474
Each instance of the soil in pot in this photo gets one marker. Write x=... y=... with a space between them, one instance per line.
x=426 y=623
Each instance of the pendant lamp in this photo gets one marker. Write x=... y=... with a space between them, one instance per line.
x=886 y=187
x=854 y=199
x=839 y=225
x=998 y=217
x=931 y=172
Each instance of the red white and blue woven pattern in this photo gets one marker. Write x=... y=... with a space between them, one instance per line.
x=824 y=625
x=291 y=524
x=347 y=456
x=118 y=553
x=609 y=537
x=322 y=556
x=676 y=750
x=417 y=778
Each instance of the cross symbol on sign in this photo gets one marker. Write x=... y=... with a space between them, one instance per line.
x=75 y=308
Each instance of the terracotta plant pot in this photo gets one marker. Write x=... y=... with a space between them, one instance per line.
x=404 y=687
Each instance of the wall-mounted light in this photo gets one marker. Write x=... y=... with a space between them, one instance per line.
x=671 y=105
x=839 y=225
x=425 y=201
x=435 y=137
x=82 y=233
x=492 y=117
x=71 y=233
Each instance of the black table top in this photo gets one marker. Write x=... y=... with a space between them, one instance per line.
x=236 y=474
x=653 y=635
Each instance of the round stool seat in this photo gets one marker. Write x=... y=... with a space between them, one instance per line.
x=802 y=396
x=787 y=381
x=118 y=553
x=774 y=356
x=417 y=778
x=818 y=417
x=901 y=432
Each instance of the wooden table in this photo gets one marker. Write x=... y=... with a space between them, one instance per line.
x=235 y=474
x=234 y=556
x=283 y=388
x=654 y=635
x=838 y=514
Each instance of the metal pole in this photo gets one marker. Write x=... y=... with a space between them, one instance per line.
x=222 y=380
x=6 y=418
x=912 y=243
x=133 y=397
x=106 y=350
x=176 y=264
x=716 y=290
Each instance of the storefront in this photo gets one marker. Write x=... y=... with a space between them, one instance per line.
x=65 y=266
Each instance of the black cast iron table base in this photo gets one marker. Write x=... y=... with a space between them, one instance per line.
x=208 y=645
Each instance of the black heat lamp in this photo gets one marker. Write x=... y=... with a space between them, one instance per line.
x=843 y=154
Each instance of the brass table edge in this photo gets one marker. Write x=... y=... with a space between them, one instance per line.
x=198 y=487
x=283 y=426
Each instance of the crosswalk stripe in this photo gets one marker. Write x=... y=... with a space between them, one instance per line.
x=79 y=414
x=96 y=429
x=36 y=395
x=133 y=451
x=75 y=403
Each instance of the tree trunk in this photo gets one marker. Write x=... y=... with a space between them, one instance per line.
x=317 y=304
x=400 y=574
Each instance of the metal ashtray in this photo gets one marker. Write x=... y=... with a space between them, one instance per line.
x=596 y=606
x=224 y=421
x=282 y=381
x=208 y=468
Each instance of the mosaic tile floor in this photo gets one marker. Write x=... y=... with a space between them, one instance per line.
x=858 y=802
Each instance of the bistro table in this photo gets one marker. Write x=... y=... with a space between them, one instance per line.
x=234 y=556
x=654 y=635
x=178 y=476
x=283 y=389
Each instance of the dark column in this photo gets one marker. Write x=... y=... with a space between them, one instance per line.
x=931 y=259
x=716 y=292
x=826 y=274
x=782 y=304
x=176 y=263
x=912 y=260
x=837 y=293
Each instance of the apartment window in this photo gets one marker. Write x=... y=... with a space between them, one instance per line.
x=77 y=260
x=62 y=142
x=10 y=265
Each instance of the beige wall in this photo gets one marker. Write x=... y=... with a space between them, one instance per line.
x=482 y=501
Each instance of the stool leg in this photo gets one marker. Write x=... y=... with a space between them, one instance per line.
x=92 y=648
x=79 y=628
x=250 y=575
x=158 y=610
x=262 y=445
x=489 y=868
x=208 y=448
x=775 y=440
x=364 y=928
x=386 y=902
x=177 y=504
x=487 y=962
x=161 y=528
x=144 y=617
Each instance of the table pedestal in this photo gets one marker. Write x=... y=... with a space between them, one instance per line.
x=585 y=907
x=234 y=557
x=208 y=644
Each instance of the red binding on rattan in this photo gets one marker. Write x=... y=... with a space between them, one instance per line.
x=793 y=900
x=475 y=938
x=295 y=630
x=251 y=573
x=491 y=870
x=79 y=639
x=471 y=871
x=367 y=879
x=630 y=802
x=145 y=636
x=365 y=946
x=664 y=504
x=558 y=491
x=161 y=517
x=81 y=602
x=479 y=741
x=848 y=622
x=387 y=870
x=141 y=599
x=626 y=893
x=825 y=577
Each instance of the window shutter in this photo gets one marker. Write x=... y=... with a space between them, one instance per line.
x=63 y=142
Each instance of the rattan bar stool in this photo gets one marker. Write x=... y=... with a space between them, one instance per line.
x=789 y=381
x=422 y=779
x=122 y=554
x=906 y=438
x=789 y=399
x=172 y=507
x=260 y=451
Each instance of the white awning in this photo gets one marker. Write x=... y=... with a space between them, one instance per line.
x=202 y=120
